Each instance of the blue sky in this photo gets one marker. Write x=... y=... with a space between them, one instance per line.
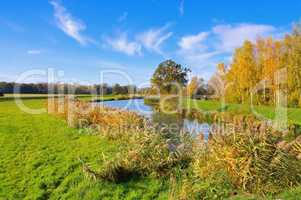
x=83 y=38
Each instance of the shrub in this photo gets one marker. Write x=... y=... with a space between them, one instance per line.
x=248 y=161
x=107 y=121
x=1 y=94
x=147 y=153
x=253 y=159
x=151 y=100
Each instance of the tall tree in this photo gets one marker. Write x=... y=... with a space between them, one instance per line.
x=243 y=73
x=192 y=87
x=169 y=76
x=292 y=62
x=217 y=83
x=269 y=54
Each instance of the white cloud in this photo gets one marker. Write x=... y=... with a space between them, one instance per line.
x=123 y=17
x=12 y=25
x=194 y=51
x=181 y=7
x=150 y=40
x=34 y=51
x=122 y=44
x=232 y=36
x=154 y=38
x=68 y=24
x=205 y=49
x=191 y=42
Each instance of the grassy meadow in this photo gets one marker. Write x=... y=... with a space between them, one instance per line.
x=41 y=158
x=294 y=114
x=82 y=97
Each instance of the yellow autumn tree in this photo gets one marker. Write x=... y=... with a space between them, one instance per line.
x=269 y=55
x=242 y=76
x=252 y=72
x=192 y=87
x=292 y=62
x=217 y=82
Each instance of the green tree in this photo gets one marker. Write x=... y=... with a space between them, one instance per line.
x=167 y=75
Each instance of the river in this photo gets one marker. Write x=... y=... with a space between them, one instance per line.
x=171 y=121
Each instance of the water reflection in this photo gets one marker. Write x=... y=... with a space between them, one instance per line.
x=173 y=122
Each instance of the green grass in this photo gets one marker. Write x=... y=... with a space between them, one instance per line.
x=39 y=159
x=82 y=97
x=105 y=97
x=294 y=114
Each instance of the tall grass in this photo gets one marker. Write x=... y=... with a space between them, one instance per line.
x=103 y=120
x=252 y=159
x=146 y=150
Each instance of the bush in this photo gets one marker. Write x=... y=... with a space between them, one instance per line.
x=147 y=153
x=250 y=161
x=113 y=123
x=1 y=94
x=152 y=100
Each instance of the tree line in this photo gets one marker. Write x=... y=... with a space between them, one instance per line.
x=45 y=88
x=262 y=68
x=258 y=71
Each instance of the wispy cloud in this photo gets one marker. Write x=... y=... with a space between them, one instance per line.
x=192 y=42
x=150 y=40
x=153 y=39
x=68 y=24
x=123 y=17
x=206 y=49
x=122 y=44
x=34 y=52
x=181 y=7
x=11 y=25
x=232 y=36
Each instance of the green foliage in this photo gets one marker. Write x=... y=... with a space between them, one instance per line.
x=167 y=74
x=151 y=100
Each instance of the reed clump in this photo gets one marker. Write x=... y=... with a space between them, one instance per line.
x=252 y=162
x=147 y=154
x=112 y=123
x=251 y=159
x=144 y=150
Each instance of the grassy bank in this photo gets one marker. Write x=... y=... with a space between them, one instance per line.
x=294 y=114
x=82 y=97
x=40 y=160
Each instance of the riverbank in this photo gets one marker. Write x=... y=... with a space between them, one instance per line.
x=293 y=114
x=262 y=112
x=82 y=97
x=41 y=157
x=218 y=164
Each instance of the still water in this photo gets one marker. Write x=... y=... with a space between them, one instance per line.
x=172 y=121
